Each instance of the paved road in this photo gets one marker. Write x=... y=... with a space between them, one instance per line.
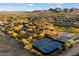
x=10 y=47
x=73 y=51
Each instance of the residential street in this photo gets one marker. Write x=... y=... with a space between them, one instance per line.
x=10 y=47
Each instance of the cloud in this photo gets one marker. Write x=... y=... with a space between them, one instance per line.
x=30 y=4
x=59 y=5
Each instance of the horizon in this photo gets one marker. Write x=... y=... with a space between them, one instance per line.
x=35 y=6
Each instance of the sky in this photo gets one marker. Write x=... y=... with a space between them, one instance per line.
x=34 y=6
